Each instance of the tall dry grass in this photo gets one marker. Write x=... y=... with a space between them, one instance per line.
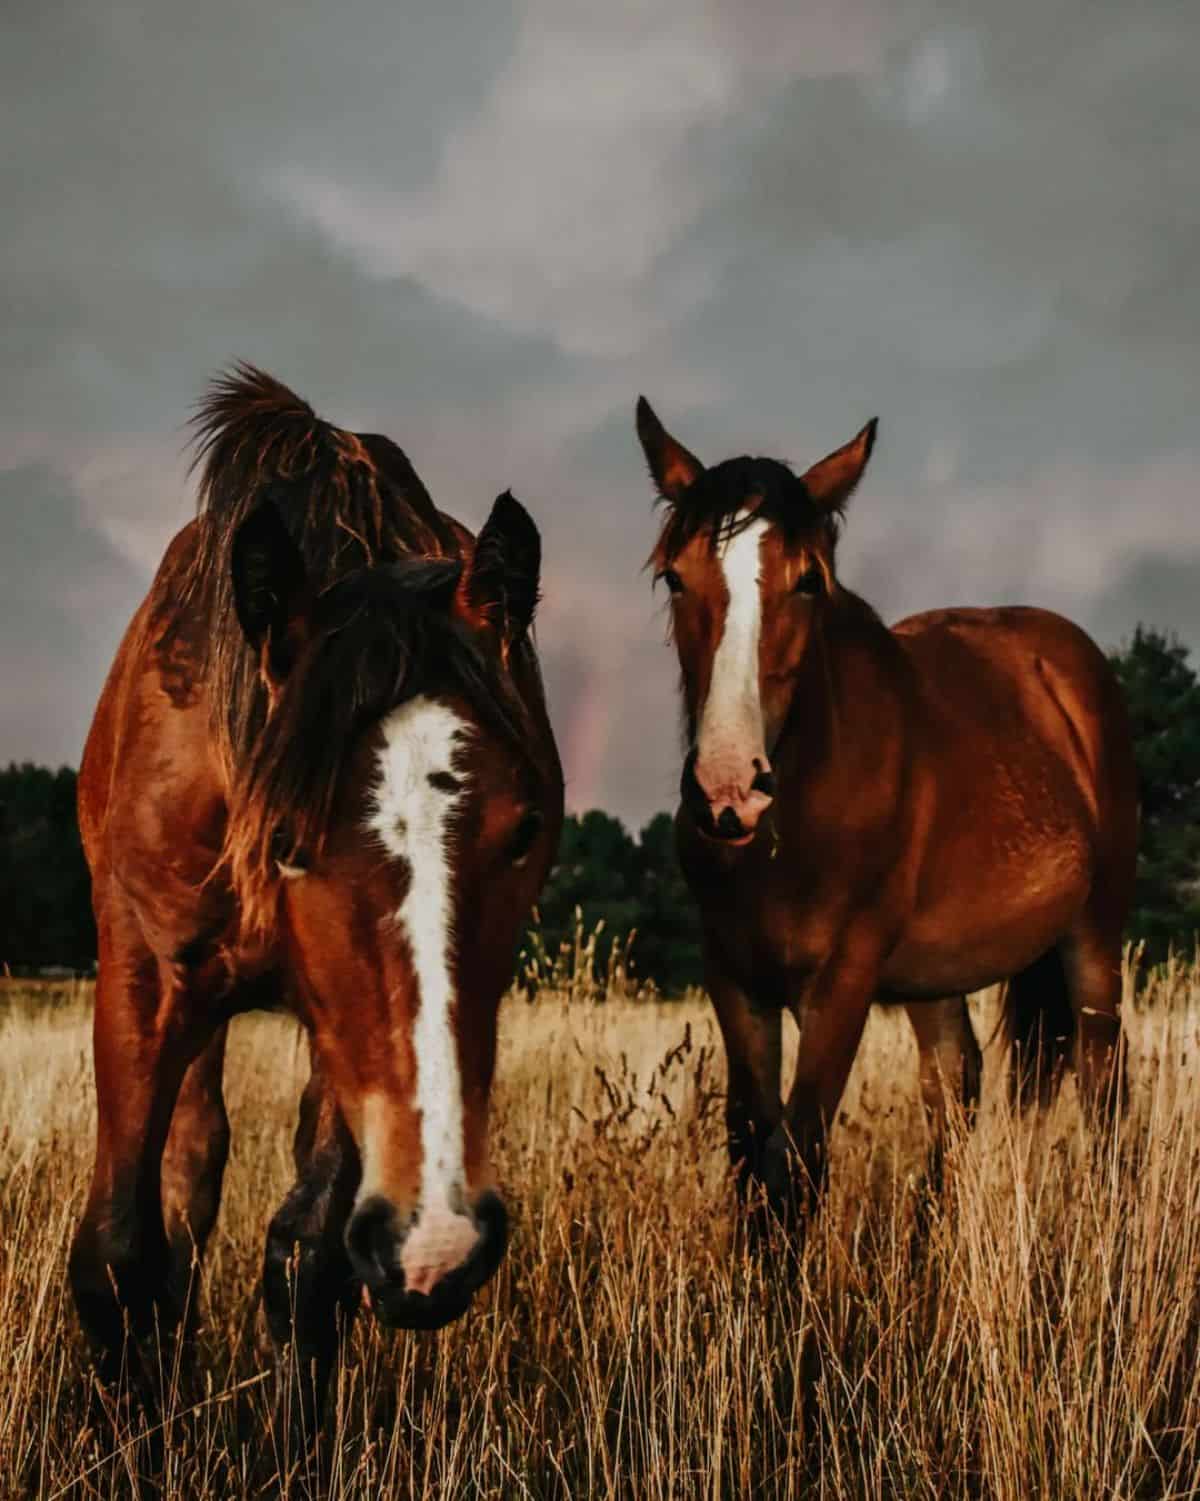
x=1032 y=1332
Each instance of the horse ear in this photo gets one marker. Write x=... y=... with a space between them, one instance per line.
x=499 y=590
x=270 y=589
x=672 y=467
x=833 y=481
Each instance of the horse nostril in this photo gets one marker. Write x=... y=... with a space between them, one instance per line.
x=492 y=1218
x=729 y=826
x=764 y=782
x=371 y=1238
x=689 y=784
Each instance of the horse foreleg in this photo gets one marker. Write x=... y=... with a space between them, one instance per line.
x=752 y=1050
x=143 y=1041
x=951 y=1068
x=193 y=1167
x=307 y=1277
x=830 y=1016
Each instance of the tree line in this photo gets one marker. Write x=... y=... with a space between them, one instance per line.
x=45 y=890
x=631 y=888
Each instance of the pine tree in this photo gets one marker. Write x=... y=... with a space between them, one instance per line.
x=1163 y=694
x=45 y=891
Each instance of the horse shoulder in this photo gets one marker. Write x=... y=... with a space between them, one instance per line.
x=151 y=796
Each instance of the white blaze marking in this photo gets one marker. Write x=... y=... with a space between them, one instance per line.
x=411 y=819
x=731 y=724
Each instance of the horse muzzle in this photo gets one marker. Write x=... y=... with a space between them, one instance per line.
x=727 y=809
x=424 y=1273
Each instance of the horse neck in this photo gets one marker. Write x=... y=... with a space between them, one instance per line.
x=847 y=704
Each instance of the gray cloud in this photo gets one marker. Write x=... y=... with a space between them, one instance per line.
x=67 y=593
x=484 y=229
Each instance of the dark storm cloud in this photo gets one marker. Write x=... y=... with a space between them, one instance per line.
x=484 y=229
x=66 y=594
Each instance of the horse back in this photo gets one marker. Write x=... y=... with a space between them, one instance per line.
x=1013 y=674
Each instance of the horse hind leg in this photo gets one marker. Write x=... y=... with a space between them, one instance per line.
x=193 y=1168
x=951 y=1064
x=1092 y=966
x=1039 y=1022
x=951 y=1070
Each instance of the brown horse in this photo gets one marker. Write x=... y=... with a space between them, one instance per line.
x=320 y=776
x=874 y=814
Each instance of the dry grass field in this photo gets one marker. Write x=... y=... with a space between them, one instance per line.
x=1032 y=1333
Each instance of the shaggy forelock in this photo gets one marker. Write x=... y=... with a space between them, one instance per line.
x=724 y=499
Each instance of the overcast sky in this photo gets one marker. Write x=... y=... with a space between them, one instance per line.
x=483 y=229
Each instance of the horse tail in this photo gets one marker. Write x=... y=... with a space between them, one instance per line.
x=1039 y=1027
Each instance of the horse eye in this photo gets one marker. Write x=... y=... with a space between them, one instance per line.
x=285 y=854
x=525 y=838
x=811 y=581
x=672 y=580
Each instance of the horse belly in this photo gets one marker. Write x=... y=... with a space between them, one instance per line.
x=991 y=920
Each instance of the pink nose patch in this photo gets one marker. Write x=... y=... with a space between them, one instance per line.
x=729 y=779
x=440 y=1242
x=733 y=791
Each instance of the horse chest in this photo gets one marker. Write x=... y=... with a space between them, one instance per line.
x=771 y=930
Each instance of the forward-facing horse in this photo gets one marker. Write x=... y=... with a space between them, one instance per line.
x=874 y=814
x=320 y=777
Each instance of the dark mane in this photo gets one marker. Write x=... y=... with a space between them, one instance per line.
x=381 y=637
x=714 y=501
x=349 y=501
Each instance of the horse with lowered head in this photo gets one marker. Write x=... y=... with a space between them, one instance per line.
x=873 y=814
x=321 y=759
